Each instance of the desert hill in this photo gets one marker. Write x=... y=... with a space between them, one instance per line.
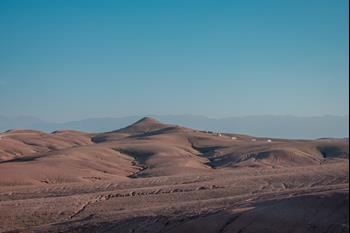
x=151 y=173
x=148 y=148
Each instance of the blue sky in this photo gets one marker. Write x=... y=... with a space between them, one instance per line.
x=69 y=59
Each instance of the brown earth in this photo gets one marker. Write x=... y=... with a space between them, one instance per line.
x=154 y=177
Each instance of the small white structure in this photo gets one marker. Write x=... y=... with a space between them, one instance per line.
x=253 y=139
x=269 y=140
x=234 y=138
x=217 y=159
x=219 y=134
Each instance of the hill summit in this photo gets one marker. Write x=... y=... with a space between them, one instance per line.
x=144 y=125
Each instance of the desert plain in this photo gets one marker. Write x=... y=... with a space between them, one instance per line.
x=155 y=177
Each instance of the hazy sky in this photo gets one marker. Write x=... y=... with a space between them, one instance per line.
x=64 y=60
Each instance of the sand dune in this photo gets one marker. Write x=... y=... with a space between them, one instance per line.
x=155 y=177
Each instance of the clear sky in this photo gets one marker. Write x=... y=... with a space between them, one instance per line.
x=69 y=59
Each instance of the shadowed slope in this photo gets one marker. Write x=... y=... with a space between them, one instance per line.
x=149 y=148
x=157 y=177
x=21 y=143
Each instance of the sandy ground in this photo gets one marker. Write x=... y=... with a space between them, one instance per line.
x=153 y=177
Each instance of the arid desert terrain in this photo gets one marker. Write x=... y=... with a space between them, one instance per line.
x=154 y=177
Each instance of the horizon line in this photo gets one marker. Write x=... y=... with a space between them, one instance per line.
x=174 y=115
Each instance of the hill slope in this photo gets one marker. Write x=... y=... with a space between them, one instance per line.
x=155 y=177
x=149 y=148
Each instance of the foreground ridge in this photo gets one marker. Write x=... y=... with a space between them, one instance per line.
x=168 y=178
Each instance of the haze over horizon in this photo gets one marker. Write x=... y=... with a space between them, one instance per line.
x=263 y=126
x=164 y=115
x=72 y=60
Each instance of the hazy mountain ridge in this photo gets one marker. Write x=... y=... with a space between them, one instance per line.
x=269 y=126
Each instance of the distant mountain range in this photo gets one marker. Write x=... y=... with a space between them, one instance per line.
x=267 y=126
